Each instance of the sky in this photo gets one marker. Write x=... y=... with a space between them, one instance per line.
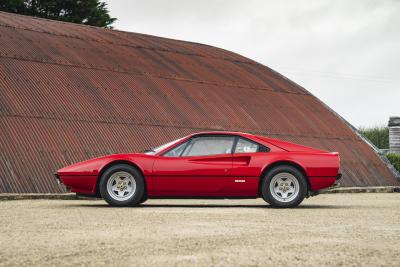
x=346 y=53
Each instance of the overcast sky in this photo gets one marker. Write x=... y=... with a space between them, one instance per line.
x=347 y=53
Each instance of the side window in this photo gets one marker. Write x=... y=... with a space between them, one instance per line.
x=209 y=145
x=176 y=151
x=246 y=146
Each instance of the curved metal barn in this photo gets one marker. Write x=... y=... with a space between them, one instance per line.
x=70 y=92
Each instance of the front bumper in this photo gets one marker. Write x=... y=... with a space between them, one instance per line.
x=58 y=179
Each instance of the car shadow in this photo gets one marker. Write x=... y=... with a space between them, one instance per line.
x=206 y=206
x=230 y=206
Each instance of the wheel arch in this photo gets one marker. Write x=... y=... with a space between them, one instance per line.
x=280 y=163
x=113 y=163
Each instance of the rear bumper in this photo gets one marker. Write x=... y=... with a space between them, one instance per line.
x=336 y=184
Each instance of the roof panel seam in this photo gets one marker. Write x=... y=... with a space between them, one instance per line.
x=176 y=78
x=170 y=126
x=130 y=45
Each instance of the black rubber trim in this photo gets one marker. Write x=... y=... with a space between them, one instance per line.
x=57 y=177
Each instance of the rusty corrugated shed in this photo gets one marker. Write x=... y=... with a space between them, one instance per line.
x=70 y=92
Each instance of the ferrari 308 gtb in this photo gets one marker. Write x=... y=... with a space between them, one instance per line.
x=208 y=165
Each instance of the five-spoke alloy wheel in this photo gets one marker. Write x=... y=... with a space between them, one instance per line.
x=122 y=185
x=284 y=186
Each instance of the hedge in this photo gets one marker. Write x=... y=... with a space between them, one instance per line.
x=395 y=160
x=379 y=136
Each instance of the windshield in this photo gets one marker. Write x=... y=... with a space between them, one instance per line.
x=155 y=150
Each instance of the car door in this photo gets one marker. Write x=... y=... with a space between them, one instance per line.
x=247 y=163
x=198 y=167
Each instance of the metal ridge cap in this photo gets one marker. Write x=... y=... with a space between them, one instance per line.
x=249 y=61
x=108 y=29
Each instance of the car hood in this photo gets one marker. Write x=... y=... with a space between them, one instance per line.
x=92 y=166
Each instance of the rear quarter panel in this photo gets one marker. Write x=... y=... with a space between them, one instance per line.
x=321 y=168
x=321 y=164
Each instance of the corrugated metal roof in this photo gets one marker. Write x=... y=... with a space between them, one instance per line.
x=71 y=92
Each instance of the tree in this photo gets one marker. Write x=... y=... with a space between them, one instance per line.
x=89 y=12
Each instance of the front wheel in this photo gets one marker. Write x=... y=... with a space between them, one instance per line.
x=284 y=187
x=122 y=185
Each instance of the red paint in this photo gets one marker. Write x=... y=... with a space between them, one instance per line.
x=82 y=184
x=228 y=175
x=186 y=175
x=317 y=183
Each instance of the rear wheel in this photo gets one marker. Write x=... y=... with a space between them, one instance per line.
x=284 y=187
x=122 y=185
x=144 y=199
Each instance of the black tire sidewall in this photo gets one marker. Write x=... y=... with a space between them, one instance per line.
x=136 y=198
x=144 y=199
x=265 y=187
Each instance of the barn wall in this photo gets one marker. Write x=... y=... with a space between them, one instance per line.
x=70 y=92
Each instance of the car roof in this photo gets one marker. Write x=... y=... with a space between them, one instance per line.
x=256 y=138
x=245 y=135
x=222 y=133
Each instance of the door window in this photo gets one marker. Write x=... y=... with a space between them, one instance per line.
x=209 y=145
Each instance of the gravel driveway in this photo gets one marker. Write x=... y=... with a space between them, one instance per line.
x=332 y=229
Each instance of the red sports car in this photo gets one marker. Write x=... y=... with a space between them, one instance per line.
x=208 y=165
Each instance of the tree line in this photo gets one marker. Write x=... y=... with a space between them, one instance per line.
x=89 y=12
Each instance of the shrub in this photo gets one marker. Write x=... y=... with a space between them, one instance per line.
x=379 y=136
x=395 y=160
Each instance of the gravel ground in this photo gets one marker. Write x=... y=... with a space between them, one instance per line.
x=332 y=229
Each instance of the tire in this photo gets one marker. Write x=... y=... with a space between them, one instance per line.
x=284 y=186
x=144 y=199
x=122 y=185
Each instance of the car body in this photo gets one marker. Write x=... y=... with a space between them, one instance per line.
x=207 y=164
